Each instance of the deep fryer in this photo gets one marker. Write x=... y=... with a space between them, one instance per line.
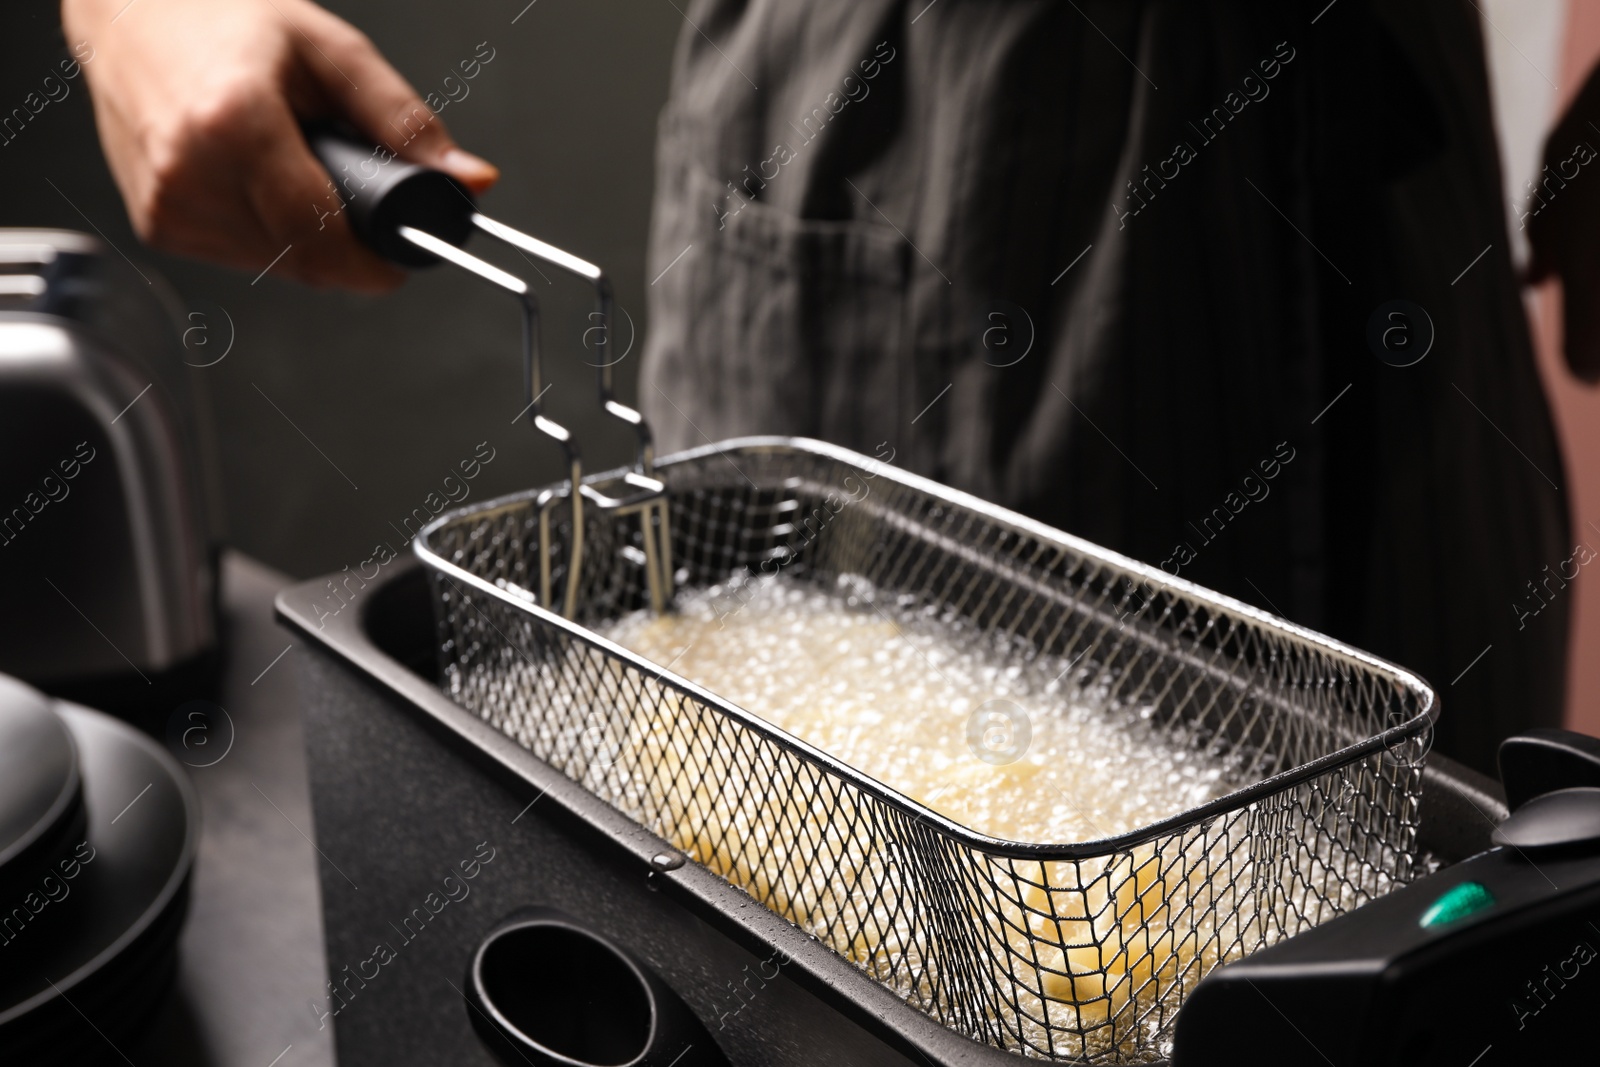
x=1332 y=816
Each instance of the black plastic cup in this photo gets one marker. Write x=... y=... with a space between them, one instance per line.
x=544 y=989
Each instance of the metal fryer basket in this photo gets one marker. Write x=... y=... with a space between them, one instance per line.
x=1079 y=951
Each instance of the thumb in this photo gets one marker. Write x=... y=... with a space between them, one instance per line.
x=375 y=99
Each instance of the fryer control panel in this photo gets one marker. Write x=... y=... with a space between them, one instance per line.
x=1495 y=960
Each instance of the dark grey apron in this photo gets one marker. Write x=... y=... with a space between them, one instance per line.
x=1115 y=265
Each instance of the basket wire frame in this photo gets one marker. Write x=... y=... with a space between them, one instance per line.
x=1080 y=951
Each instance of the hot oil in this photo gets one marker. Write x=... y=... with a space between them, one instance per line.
x=1012 y=746
x=1094 y=955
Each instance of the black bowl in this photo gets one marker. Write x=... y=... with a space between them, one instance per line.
x=93 y=943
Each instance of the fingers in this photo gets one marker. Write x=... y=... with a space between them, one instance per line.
x=290 y=195
x=233 y=182
x=372 y=95
x=197 y=107
x=175 y=201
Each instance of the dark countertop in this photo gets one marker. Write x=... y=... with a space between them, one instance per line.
x=251 y=953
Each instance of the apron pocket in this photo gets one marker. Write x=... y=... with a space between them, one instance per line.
x=770 y=323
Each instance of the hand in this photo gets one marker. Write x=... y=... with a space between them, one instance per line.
x=199 y=104
x=1563 y=221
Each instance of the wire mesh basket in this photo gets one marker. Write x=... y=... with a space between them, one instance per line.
x=1079 y=951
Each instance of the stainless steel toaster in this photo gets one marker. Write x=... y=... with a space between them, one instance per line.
x=107 y=574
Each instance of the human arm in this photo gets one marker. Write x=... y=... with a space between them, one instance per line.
x=199 y=103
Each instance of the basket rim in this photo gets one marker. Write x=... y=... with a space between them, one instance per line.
x=1093 y=848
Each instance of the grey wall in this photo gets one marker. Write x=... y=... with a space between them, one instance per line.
x=396 y=390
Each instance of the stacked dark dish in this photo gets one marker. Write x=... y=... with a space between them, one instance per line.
x=97 y=838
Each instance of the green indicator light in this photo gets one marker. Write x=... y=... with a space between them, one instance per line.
x=1457 y=903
